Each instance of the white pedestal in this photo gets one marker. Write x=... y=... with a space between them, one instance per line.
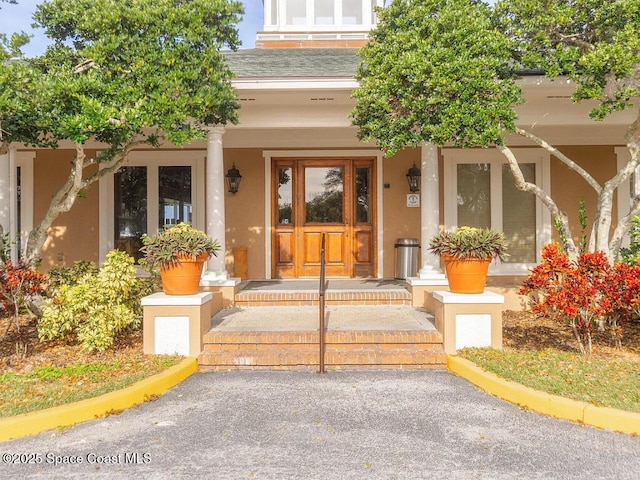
x=466 y=320
x=175 y=324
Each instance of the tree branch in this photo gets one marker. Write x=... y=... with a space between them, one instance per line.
x=115 y=165
x=544 y=197
x=562 y=157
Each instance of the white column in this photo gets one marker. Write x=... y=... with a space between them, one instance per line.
x=430 y=273
x=216 y=271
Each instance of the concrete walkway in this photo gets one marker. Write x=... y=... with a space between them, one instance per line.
x=343 y=425
x=371 y=317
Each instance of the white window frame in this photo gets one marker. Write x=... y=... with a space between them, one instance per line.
x=156 y=158
x=24 y=160
x=539 y=157
x=279 y=24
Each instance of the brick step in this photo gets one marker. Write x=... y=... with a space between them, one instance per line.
x=262 y=299
x=331 y=337
x=369 y=357
x=357 y=336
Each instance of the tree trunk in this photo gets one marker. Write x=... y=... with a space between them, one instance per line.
x=521 y=184
x=64 y=199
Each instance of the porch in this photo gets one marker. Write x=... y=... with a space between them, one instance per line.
x=275 y=324
x=370 y=323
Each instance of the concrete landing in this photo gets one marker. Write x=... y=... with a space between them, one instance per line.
x=387 y=317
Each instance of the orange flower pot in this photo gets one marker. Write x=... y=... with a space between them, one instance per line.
x=467 y=275
x=183 y=278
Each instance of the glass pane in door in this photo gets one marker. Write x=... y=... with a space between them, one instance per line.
x=174 y=196
x=130 y=209
x=285 y=196
x=363 y=195
x=324 y=194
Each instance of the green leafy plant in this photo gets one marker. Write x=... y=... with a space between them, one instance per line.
x=62 y=275
x=470 y=242
x=182 y=240
x=98 y=307
x=631 y=254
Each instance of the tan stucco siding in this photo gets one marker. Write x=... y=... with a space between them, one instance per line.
x=245 y=211
x=399 y=221
x=74 y=235
x=567 y=187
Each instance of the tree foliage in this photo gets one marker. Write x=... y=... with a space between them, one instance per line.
x=123 y=73
x=441 y=71
x=431 y=73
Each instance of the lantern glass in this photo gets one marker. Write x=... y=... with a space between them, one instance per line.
x=413 y=178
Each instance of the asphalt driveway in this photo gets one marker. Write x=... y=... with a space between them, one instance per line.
x=343 y=425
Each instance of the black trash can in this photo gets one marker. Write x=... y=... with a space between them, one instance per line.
x=406 y=258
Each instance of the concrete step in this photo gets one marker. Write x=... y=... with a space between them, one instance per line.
x=356 y=337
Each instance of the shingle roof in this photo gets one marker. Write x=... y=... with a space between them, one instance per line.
x=293 y=62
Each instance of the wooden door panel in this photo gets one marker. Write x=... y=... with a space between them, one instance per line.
x=363 y=246
x=284 y=254
x=335 y=248
x=312 y=244
x=284 y=249
x=335 y=253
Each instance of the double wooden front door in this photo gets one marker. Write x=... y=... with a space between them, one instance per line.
x=315 y=196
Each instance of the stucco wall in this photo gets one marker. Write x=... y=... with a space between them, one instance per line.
x=245 y=211
x=74 y=235
x=399 y=221
x=567 y=186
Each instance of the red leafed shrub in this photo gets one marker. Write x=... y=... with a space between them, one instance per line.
x=18 y=284
x=588 y=293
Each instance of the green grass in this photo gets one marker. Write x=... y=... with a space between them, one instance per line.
x=599 y=381
x=46 y=387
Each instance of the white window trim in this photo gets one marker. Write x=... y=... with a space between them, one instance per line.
x=25 y=161
x=174 y=158
x=280 y=25
x=540 y=157
x=269 y=154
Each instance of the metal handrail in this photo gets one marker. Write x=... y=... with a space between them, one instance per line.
x=321 y=291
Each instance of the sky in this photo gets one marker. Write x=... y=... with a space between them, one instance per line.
x=16 y=18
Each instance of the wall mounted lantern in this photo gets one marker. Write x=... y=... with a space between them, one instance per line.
x=413 y=177
x=233 y=179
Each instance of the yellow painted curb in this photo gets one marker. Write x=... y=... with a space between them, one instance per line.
x=546 y=403
x=91 y=408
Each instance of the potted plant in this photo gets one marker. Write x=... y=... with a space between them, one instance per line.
x=178 y=252
x=467 y=253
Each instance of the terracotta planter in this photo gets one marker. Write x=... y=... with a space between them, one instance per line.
x=183 y=278
x=468 y=275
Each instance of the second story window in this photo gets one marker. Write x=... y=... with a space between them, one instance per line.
x=323 y=12
x=352 y=12
x=296 y=12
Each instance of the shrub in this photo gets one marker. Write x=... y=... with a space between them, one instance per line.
x=98 y=307
x=19 y=283
x=69 y=276
x=586 y=293
x=631 y=255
